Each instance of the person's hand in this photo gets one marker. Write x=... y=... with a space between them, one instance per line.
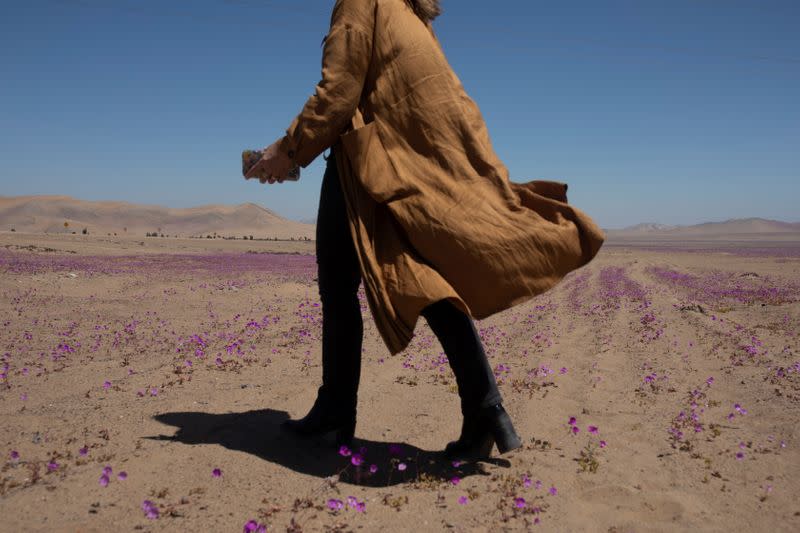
x=273 y=166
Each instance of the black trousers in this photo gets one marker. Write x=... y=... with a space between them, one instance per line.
x=339 y=277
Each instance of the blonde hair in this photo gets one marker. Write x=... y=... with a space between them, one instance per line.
x=427 y=10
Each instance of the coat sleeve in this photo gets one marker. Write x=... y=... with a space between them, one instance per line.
x=347 y=53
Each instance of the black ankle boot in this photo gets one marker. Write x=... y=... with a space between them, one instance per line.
x=325 y=416
x=481 y=430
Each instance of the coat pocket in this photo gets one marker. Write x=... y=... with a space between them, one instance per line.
x=371 y=164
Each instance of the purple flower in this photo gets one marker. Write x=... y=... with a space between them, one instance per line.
x=104 y=480
x=335 y=505
x=572 y=421
x=14 y=455
x=463 y=500
x=216 y=472
x=739 y=455
x=401 y=467
x=373 y=469
x=519 y=503
x=107 y=470
x=83 y=451
x=150 y=509
x=250 y=526
x=356 y=459
x=455 y=480
x=538 y=484
x=553 y=491
x=602 y=444
x=593 y=429
x=23 y=396
x=358 y=506
x=122 y=476
x=457 y=463
x=106 y=385
x=575 y=430
x=153 y=391
x=344 y=451
x=52 y=465
x=395 y=449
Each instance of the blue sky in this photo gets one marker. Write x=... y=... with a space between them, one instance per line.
x=674 y=111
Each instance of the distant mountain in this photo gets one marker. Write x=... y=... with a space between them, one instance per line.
x=745 y=225
x=48 y=214
x=648 y=227
x=736 y=226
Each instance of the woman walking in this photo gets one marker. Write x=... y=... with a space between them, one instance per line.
x=416 y=205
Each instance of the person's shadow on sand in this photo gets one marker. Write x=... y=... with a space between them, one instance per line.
x=259 y=433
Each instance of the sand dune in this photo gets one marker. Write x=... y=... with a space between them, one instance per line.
x=736 y=226
x=48 y=214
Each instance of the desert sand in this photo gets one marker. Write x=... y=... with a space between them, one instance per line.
x=64 y=215
x=143 y=382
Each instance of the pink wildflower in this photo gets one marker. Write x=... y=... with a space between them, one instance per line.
x=335 y=505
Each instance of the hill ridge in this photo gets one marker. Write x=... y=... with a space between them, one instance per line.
x=66 y=214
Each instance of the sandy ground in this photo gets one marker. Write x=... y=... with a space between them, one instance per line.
x=170 y=359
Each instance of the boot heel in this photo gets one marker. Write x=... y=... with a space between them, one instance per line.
x=507 y=442
x=504 y=434
x=345 y=433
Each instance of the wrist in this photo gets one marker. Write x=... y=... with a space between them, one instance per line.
x=285 y=146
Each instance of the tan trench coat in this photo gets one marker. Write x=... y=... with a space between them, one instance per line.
x=431 y=209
